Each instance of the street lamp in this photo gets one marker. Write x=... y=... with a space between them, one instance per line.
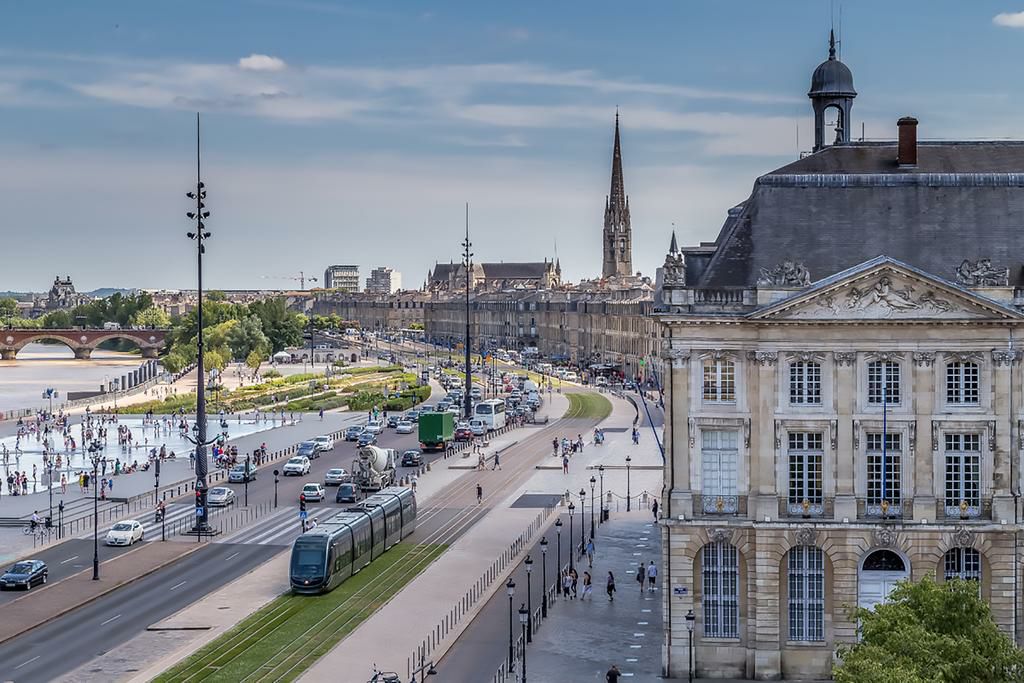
x=592 y=482
x=529 y=595
x=199 y=215
x=424 y=669
x=583 y=519
x=600 y=471
x=510 y=588
x=558 y=530
x=524 y=619
x=628 y=499
x=690 y=618
x=544 y=576
x=467 y=262
x=572 y=508
x=276 y=472
x=94 y=454
x=248 y=468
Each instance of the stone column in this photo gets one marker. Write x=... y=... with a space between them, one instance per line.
x=922 y=486
x=83 y=353
x=8 y=354
x=762 y=451
x=844 y=400
x=1003 y=361
x=677 y=433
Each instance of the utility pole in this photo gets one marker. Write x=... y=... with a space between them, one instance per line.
x=467 y=262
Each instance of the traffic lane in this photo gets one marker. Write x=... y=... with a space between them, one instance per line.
x=49 y=651
x=64 y=560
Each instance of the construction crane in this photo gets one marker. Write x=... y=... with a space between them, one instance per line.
x=301 y=278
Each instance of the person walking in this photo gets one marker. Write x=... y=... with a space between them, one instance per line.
x=654 y=509
x=590 y=553
x=63 y=484
x=575 y=579
x=588 y=587
x=652 y=577
x=566 y=584
x=497 y=462
x=613 y=674
x=565 y=464
x=641 y=576
x=610 y=587
x=479 y=494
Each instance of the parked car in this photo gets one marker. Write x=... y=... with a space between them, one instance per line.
x=336 y=476
x=353 y=432
x=299 y=465
x=348 y=493
x=412 y=458
x=308 y=449
x=242 y=472
x=220 y=496
x=312 y=493
x=24 y=574
x=323 y=442
x=125 y=533
x=366 y=439
x=404 y=427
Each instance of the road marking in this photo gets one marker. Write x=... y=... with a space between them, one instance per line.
x=179 y=585
x=641 y=623
x=638 y=635
x=630 y=660
x=645 y=610
x=27 y=663
x=231 y=557
x=635 y=647
x=69 y=559
x=113 y=618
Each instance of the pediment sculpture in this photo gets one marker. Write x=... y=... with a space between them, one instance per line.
x=982 y=274
x=786 y=274
x=884 y=296
x=674 y=270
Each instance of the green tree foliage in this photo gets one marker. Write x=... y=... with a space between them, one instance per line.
x=174 y=362
x=254 y=359
x=8 y=308
x=116 y=308
x=281 y=326
x=247 y=338
x=57 y=320
x=151 y=317
x=930 y=631
x=213 y=359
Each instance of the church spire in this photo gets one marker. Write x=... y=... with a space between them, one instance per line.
x=618 y=236
x=617 y=196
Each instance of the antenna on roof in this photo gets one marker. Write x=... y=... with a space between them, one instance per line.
x=862 y=131
x=840 y=32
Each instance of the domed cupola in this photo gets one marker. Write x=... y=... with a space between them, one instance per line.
x=831 y=88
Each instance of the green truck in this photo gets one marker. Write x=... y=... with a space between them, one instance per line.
x=436 y=431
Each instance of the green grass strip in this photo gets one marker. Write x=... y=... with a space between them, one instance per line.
x=276 y=641
x=588 y=406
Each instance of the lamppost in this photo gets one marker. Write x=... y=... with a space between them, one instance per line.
x=467 y=262
x=628 y=499
x=510 y=588
x=558 y=531
x=544 y=576
x=690 y=618
x=583 y=520
x=60 y=520
x=592 y=482
x=51 y=393
x=529 y=596
x=94 y=455
x=524 y=619
x=248 y=468
x=199 y=236
x=600 y=471
x=49 y=486
x=572 y=508
x=276 y=472
x=424 y=669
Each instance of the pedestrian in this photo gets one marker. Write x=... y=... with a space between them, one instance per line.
x=652 y=577
x=497 y=462
x=575 y=579
x=565 y=464
x=613 y=674
x=566 y=584
x=610 y=588
x=110 y=485
x=588 y=587
x=63 y=484
x=590 y=552
x=654 y=509
x=641 y=576
x=479 y=493
x=321 y=414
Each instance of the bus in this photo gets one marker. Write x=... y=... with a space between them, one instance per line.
x=491 y=413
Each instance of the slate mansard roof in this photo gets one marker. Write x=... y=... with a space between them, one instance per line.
x=847 y=204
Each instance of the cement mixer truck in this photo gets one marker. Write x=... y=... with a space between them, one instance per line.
x=375 y=468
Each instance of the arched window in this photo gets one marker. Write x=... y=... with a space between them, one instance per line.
x=721 y=569
x=806 y=593
x=963 y=563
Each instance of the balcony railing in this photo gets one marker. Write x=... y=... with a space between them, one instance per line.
x=718 y=296
x=894 y=510
x=963 y=509
x=806 y=509
x=714 y=504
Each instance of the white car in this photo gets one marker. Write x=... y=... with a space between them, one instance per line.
x=298 y=466
x=404 y=427
x=454 y=410
x=312 y=492
x=477 y=427
x=375 y=426
x=220 y=496
x=336 y=476
x=124 y=533
x=323 y=443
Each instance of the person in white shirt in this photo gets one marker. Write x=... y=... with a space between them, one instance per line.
x=652 y=576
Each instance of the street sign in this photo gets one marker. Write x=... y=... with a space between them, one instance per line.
x=303 y=514
x=199 y=512
x=679 y=590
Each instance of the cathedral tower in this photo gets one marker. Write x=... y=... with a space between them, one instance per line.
x=618 y=236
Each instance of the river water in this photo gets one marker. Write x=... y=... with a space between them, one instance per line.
x=42 y=366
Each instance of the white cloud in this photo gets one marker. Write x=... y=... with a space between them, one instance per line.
x=256 y=62
x=1009 y=19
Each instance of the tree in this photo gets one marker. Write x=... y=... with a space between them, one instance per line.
x=57 y=320
x=246 y=338
x=254 y=359
x=151 y=317
x=282 y=327
x=930 y=631
x=8 y=308
x=174 y=362
x=213 y=359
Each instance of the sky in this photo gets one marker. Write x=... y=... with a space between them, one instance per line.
x=355 y=132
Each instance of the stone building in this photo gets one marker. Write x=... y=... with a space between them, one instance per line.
x=383 y=280
x=845 y=398
x=342 y=277
x=62 y=295
x=450 y=278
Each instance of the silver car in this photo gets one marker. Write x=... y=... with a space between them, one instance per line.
x=336 y=476
x=220 y=496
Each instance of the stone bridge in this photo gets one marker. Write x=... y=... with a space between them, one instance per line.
x=81 y=341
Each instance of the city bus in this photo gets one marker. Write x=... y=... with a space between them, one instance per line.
x=491 y=413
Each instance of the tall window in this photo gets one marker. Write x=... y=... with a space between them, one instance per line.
x=805 y=474
x=721 y=571
x=883 y=382
x=962 y=383
x=806 y=593
x=963 y=563
x=805 y=383
x=719 y=380
x=963 y=475
x=884 y=483
x=719 y=456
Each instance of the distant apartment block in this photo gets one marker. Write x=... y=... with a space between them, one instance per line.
x=345 y=278
x=383 y=281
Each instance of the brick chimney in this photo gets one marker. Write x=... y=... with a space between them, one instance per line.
x=906 y=152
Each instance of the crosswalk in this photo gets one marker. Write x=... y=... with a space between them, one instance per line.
x=280 y=528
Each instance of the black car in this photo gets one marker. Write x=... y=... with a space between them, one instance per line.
x=367 y=439
x=24 y=574
x=412 y=458
x=348 y=493
x=392 y=421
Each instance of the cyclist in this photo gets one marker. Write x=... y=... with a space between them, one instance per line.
x=35 y=520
